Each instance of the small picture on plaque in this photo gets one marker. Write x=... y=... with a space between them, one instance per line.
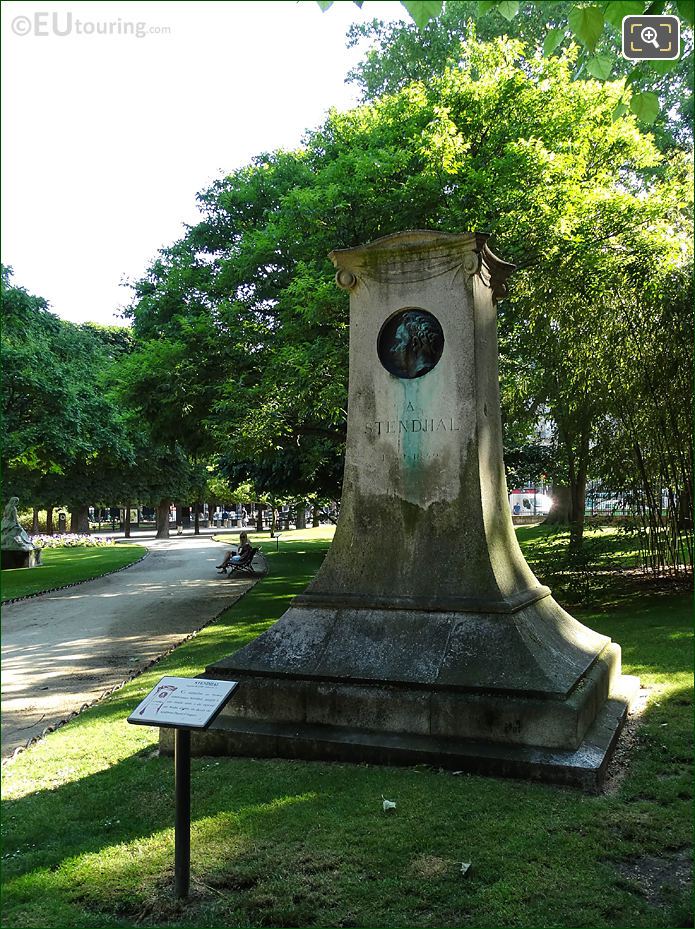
x=183 y=702
x=410 y=343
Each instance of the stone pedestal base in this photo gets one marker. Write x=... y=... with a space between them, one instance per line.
x=522 y=691
x=583 y=767
x=12 y=558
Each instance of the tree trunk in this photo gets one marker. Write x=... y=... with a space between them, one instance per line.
x=259 y=517
x=578 y=488
x=126 y=521
x=301 y=515
x=196 y=519
x=685 y=511
x=79 y=519
x=35 y=521
x=49 y=520
x=578 y=502
x=315 y=518
x=163 y=519
x=570 y=500
x=559 y=514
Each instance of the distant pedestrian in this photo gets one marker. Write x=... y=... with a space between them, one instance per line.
x=244 y=517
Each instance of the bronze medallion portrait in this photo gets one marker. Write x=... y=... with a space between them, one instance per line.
x=410 y=343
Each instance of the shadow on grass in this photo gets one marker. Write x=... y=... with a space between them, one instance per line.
x=604 y=573
x=286 y=843
x=655 y=634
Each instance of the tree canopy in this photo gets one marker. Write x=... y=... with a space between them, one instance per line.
x=60 y=428
x=237 y=365
x=436 y=38
x=244 y=313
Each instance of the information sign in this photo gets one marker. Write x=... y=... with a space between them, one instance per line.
x=183 y=702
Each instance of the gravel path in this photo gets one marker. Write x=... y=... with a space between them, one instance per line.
x=64 y=649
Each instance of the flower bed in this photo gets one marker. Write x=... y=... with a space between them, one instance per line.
x=71 y=540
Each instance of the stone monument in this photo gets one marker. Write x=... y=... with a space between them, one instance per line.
x=16 y=548
x=425 y=637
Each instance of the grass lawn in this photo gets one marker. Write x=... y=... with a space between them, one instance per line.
x=88 y=813
x=63 y=566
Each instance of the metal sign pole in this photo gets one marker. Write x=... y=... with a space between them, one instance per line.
x=183 y=704
x=182 y=828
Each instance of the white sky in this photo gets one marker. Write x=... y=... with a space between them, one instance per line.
x=107 y=138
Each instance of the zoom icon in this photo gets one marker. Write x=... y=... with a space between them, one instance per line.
x=651 y=38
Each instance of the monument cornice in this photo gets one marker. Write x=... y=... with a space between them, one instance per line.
x=506 y=605
x=420 y=255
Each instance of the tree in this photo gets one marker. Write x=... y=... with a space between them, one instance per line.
x=643 y=447
x=410 y=52
x=64 y=441
x=505 y=141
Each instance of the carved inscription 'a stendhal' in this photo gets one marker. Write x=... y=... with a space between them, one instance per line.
x=396 y=426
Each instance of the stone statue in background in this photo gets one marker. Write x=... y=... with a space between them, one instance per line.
x=14 y=538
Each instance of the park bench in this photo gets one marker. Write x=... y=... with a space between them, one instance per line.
x=253 y=564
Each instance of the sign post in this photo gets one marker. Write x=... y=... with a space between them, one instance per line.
x=182 y=825
x=183 y=704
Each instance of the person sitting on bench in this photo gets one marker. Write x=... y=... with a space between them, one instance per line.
x=240 y=557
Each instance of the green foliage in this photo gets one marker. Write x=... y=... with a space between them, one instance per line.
x=503 y=141
x=74 y=434
x=643 y=443
x=552 y=40
x=422 y=11
x=645 y=106
x=600 y=67
x=616 y=10
x=586 y=23
x=686 y=10
x=219 y=490
x=401 y=53
x=526 y=461
x=63 y=439
x=508 y=9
